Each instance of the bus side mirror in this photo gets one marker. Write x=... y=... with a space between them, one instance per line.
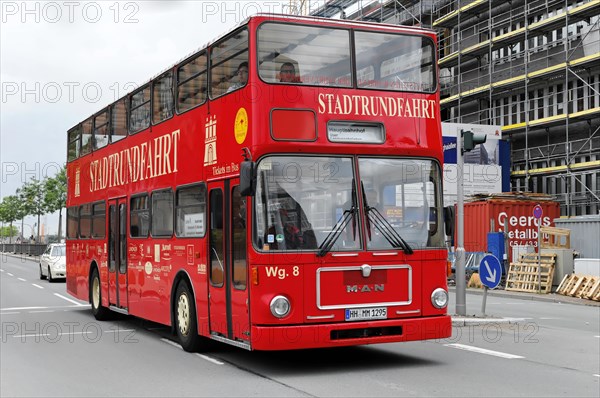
x=247 y=178
x=449 y=219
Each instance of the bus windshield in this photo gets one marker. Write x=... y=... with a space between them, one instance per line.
x=403 y=195
x=302 y=202
x=299 y=201
x=321 y=56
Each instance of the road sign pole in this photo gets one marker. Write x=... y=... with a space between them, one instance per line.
x=539 y=258
x=485 y=290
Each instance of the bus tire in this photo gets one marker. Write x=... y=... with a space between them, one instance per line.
x=100 y=313
x=186 y=323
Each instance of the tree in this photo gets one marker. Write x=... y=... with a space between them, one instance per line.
x=11 y=210
x=56 y=196
x=9 y=231
x=32 y=194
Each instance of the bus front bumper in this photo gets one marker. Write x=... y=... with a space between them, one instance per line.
x=293 y=337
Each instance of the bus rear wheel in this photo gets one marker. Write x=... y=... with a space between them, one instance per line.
x=100 y=313
x=186 y=322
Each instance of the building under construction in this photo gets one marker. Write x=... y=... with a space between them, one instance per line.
x=532 y=67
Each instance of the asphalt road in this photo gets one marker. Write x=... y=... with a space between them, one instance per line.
x=52 y=346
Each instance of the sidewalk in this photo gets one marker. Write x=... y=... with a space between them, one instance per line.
x=35 y=259
x=550 y=298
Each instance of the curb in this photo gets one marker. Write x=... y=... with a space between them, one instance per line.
x=548 y=298
x=473 y=321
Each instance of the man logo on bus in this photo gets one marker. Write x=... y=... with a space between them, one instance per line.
x=210 y=144
x=365 y=288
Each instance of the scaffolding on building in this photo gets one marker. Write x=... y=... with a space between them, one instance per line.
x=532 y=67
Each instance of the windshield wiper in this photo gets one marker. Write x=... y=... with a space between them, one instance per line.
x=382 y=224
x=335 y=233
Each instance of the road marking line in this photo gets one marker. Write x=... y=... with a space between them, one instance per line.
x=1 y=270
x=22 y=308
x=174 y=344
x=484 y=351
x=206 y=358
x=9 y=274
x=209 y=359
x=39 y=312
x=598 y=337
x=68 y=299
x=597 y=375
x=21 y=279
x=10 y=313
x=42 y=308
x=38 y=286
x=70 y=333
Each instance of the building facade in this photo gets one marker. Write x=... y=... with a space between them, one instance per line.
x=532 y=67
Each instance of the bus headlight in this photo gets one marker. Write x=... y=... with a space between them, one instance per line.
x=280 y=306
x=439 y=298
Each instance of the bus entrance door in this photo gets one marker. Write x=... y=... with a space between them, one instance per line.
x=117 y=254
x=228 y=293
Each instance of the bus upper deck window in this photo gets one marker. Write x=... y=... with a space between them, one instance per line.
x=311 y=55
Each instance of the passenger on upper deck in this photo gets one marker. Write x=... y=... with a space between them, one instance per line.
x=242 y=77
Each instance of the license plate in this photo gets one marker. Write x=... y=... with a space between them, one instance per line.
x=362 y=314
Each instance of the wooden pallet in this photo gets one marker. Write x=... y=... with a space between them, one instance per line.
x=567 y=284
x=555 y=238
x=582 y=286
x=595 y=295
x=524 y=275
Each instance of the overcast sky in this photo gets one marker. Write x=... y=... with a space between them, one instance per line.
x=62 y=61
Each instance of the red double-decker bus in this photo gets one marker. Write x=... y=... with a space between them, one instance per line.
x=279 y=189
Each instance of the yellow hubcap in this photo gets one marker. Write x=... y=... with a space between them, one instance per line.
x=183 y=314
x=96 y=293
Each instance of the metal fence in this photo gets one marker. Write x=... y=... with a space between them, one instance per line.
x=28 y=249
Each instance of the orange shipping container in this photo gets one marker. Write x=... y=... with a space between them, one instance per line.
x=522 y=225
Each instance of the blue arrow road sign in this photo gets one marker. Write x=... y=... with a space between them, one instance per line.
x=490 y=271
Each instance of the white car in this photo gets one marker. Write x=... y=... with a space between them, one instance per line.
x=53 y=263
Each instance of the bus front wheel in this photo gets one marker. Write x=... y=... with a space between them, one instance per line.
x=186 y=322
x=100 y=313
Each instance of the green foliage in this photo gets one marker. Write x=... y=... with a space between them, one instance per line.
x=37 y=198
x=55 y=196
x=9 y=231
x=11 y=209
x=32 y=194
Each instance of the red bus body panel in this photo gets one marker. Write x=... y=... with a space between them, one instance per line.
x=172 y=154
